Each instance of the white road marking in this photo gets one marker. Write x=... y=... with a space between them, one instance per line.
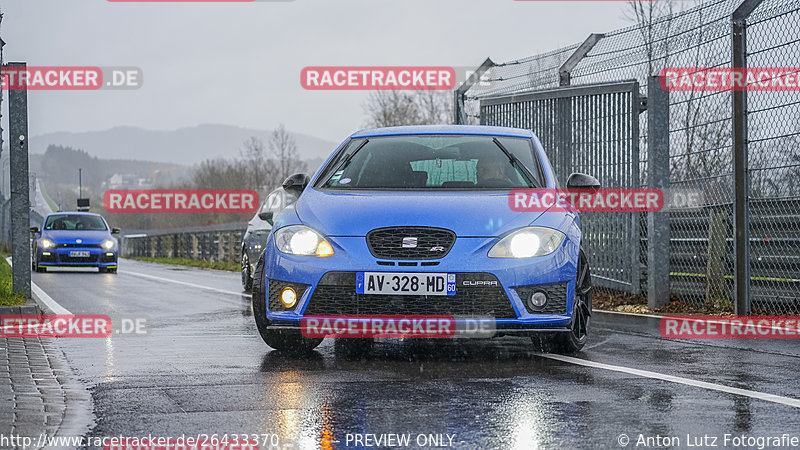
x=184 y=283
x=46 y=299
x=788 y=401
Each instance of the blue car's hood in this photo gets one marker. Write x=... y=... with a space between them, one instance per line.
x=355 y=214
x=69 y=236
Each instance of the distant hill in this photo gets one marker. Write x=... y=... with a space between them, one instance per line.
x=184 y=146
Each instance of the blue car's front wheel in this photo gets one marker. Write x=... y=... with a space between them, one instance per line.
x=37 y=268
x=573 y=340
x=285 y=341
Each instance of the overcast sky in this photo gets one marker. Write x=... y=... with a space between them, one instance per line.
x=239 y=63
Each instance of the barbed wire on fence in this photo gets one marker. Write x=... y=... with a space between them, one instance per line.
x=701 y=142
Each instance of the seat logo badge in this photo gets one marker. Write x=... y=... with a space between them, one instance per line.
x=437 y=249
x=78 y=241
x=409 y=242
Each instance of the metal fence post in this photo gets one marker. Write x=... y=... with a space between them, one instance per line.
x=658 y=233
x=740 y=160
x=459 y=116
x=20 y=200
x=564 y=72
x=565 y=107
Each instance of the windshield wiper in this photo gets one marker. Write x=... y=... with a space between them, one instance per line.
x=346 y=159
x=515 y=161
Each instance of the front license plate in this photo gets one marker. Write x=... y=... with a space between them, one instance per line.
x=79 y=254
x=388 y=283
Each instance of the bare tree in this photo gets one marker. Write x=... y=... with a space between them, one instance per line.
x=283 y=149
x=395 y=108
x=261 y=169
x=435 y=106
x=655 y=21
x=702 y=131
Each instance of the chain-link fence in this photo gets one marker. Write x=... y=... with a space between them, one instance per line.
x=702 y=240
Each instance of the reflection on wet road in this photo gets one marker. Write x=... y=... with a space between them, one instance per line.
x=203 y=370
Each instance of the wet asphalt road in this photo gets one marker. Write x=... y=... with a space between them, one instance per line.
x=202 y=369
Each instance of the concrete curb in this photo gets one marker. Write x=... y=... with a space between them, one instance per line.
x=627 y=322
x=648 y=325
x=30 y=307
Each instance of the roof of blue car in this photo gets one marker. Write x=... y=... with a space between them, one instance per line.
x=74 y=213
x=444 y=129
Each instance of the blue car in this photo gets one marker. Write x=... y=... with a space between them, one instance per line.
x=74 y=239
x=426 y=203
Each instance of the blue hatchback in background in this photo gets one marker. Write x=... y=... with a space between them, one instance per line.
x=417 y=203
x=74 y=239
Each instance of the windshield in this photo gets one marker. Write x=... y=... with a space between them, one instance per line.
x=75 y=222
x=435 y=162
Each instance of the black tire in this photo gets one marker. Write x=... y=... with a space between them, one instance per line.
x=114 y=271
x=247 y=277
x=38 y=268
x=285 y=341
x=574 y=340
x=353 y=349
x=102 y=270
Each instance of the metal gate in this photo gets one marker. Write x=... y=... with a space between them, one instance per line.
x=592 y=129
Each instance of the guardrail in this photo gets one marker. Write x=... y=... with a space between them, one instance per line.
x=210 y=243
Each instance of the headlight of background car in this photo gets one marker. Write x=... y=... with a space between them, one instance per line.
x=47 y=243
x=302 y=240
x=108 y=244
x=528 y=242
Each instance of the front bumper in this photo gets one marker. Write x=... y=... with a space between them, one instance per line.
x=60 y=257
x=326 y=286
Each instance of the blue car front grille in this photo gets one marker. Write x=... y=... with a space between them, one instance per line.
x=77 y=259
x=410 y=242
x=336 y=295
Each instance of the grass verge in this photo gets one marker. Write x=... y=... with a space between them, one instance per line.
x=218 y=265
x=7 y=295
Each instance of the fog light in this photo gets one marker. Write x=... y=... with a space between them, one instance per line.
x=45 y=253
x=538 y=299
x=288 y=297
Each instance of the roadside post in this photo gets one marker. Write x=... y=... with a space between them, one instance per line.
x=658 y=233
x=20 y=200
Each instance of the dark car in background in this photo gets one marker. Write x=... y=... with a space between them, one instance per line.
x=74 y=239
x=255 y=238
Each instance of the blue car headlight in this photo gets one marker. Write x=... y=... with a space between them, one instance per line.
x=47 y=243
x=108 y=244
x=302 y=240
x=528 y=242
